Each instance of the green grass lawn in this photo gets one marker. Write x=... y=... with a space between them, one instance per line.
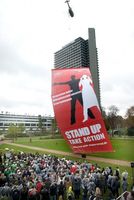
x=56 y=144
x=123 y=147
x=124 y=150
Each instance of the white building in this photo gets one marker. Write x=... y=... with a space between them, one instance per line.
x=31 y=123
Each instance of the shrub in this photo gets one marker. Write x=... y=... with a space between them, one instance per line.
x=130 y=131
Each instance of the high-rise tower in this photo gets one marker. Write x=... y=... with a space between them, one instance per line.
x=81 y=53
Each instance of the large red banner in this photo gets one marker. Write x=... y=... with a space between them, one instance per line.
x=77 y=111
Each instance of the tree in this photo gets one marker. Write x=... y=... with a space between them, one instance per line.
x=21 y=128
x=112 y=117
x=130 y=120
x=13 y=131
x=54 y=127
x=40 y=125
x=105 y=118
x=130 y=116
x=130 y=111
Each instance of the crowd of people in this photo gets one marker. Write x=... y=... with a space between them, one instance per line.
x=27 y=176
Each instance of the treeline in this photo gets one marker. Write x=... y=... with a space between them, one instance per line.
x=116 y=124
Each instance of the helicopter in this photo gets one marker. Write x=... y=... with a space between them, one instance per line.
x=69 y=9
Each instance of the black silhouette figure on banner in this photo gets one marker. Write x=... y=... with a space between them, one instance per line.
x=76 y=95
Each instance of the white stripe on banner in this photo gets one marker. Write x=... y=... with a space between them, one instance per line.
x=65 y=97
x=60 y=98
x=75 y=93
x=60 y=102
x=61 y=94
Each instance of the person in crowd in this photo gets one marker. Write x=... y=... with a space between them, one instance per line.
x=0 y=158
x=15 y=193
x=98 y=194
x=6 y=190
x=84 y=193
x=117 y=186
x=61 y=190
x=53 y=191
x=76 y=185
x=45 y=193
x=32 y=193
x=111 y=196
x=130 y=196
x=68 y=182
x=39 y=186
x=117 y=172
x=70 y=194
x=24 y=193
x=125 y=174
x=124 y=184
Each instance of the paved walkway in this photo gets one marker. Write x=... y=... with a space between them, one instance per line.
x=93 y=158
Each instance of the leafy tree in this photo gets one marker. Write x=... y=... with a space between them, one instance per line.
x=54 y=126
x=40 y=125
x=13 y=131
x=21 y=128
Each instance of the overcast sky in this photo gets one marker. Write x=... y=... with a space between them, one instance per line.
x=32 y=30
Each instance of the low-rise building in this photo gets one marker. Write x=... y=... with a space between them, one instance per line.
x=30 y=123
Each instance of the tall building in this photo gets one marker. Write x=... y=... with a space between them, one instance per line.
x=81 y=53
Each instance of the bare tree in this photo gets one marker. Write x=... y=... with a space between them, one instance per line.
x=105 y=118
x=112 y=117
x=130 y=117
